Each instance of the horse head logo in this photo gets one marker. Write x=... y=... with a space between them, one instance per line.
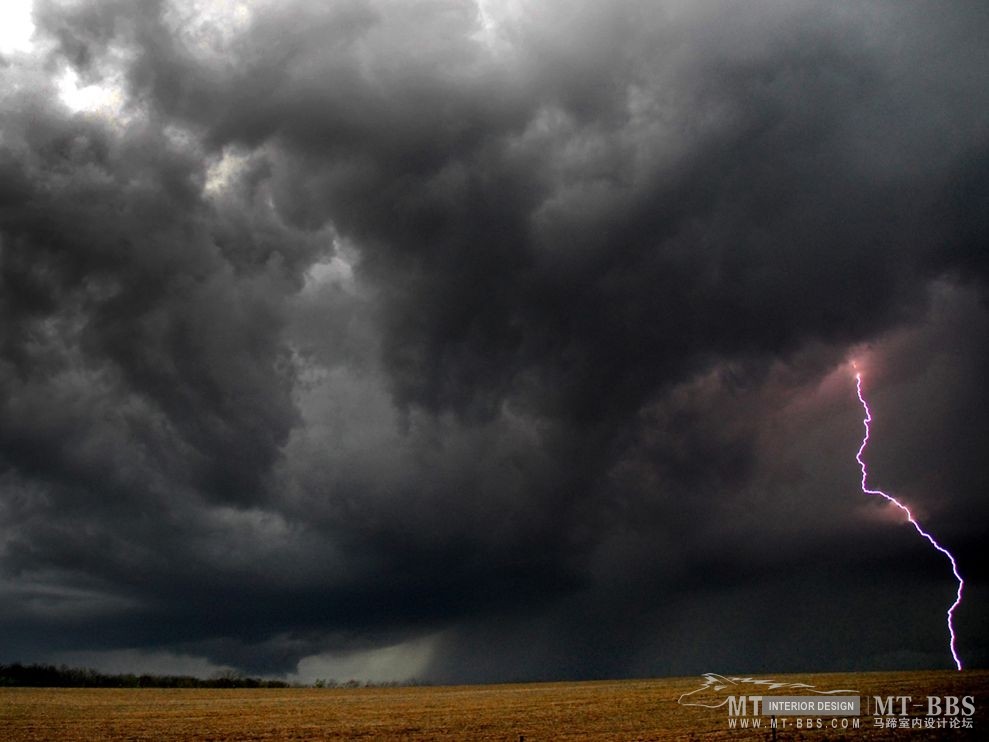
x=716 y=690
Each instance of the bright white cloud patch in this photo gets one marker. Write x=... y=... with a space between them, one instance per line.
x=16 y=26
x=397 y=663
x=106 y=99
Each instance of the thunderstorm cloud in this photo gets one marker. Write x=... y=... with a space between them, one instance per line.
x=491 y=341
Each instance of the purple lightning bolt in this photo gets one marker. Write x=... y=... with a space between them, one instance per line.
x=914 y=523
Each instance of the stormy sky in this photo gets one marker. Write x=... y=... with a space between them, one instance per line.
x=491 y=341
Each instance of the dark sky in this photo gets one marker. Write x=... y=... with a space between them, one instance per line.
x=494 y=342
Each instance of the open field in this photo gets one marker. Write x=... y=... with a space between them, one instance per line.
x=604 y=710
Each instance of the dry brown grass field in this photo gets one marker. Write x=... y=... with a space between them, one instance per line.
x=604 y=710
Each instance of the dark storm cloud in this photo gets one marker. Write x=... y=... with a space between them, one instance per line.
x=361 y=322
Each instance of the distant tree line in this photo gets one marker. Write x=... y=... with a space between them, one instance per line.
x=50 y=676
x=333 y=683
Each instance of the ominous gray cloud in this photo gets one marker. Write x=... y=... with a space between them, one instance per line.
x=515 y=336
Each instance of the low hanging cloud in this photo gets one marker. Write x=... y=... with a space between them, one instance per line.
x=491 y=341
